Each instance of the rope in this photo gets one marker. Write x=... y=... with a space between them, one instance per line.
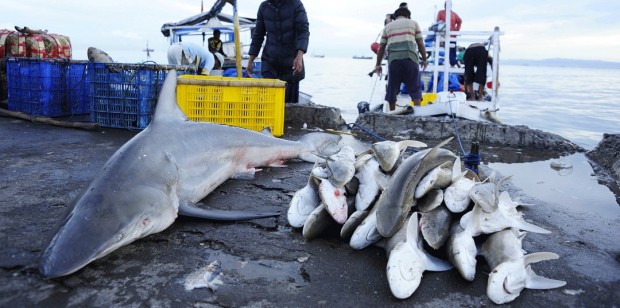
x=366 y=131
x=470 y=160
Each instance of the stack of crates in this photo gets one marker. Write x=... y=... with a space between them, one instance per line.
x=125 y=95
x=47 y=87
x=251 y=103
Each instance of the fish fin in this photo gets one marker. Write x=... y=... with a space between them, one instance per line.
x=413 y=230
x=539 y=256
x=435 y=264
x=456 y=170
x=247 y=174
x=526 y=226
x=167 y=108
x=402 y=145
x=534 y=281
x=192 y=210
x=319 y=145
x=267 y=131
x=382 y=179
x=413 y=238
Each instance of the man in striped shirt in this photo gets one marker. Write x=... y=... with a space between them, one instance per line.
x=403 y=40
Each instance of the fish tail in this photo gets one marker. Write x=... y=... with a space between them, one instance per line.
x=317 y=145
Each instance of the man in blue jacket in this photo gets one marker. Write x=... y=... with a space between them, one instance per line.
x=285 y=23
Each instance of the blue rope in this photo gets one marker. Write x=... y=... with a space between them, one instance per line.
x=470 y=160
x=366 y=131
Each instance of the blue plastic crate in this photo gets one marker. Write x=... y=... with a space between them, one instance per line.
x=124 y=95
x=47 y=87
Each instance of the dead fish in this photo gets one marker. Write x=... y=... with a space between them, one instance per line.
x=479 y=222
x=318 y=221
x=304 y=201
x=407 y=260
x=435 y=226
x=511 y=269
x=352 y=223
x=387 y=152
x=439 y=177
x=397 y=199
x=206 y=277
x=462 y=251
x=29 y=31
x=430 y=201
x=456 y=196
x=368 y=184
x=341 y=166
x=335 y=200
x=98 y=55
x=366 y=233
x=486 y=193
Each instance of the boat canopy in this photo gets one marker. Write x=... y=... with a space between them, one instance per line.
x=206 y=22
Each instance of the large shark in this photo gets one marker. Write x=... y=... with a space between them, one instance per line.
x=163 y=172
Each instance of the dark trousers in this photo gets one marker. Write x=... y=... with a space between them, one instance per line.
x=403 y=71
x=283 y=69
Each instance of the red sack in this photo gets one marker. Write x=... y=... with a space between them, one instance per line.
x=63 y=46
x=15 y=44
x=35 y=48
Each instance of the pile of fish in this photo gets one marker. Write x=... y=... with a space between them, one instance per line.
x=421 y=209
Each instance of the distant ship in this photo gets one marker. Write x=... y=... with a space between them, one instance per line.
x=318 y=56
x=362 y=57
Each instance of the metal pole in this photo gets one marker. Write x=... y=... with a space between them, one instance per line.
x=495 y=65
x=237 y=42
x=446 y=45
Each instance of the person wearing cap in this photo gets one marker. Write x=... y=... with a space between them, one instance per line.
x=188 y=53
x=403 y=40
x=215 y=44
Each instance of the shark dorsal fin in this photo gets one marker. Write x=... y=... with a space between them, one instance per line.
x=167 y=108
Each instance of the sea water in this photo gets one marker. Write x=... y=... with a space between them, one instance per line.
x=579 y=104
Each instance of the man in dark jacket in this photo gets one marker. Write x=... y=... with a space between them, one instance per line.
x=285 y=24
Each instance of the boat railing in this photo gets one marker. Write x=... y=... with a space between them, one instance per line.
x=489 y=38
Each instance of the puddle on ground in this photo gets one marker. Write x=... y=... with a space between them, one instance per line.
x=568 y=180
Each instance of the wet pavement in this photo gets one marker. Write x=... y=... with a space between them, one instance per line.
x=264 y=262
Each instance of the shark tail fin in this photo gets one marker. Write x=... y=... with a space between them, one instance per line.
x=534 y=281
x=317 y=145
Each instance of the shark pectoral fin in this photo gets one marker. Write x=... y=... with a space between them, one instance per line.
x=539 y=256
x=247 y=174
x=526 y=226
x=534 y=281
x=435 y=264
x=191 y=210
x=403 y=145
x=382 y=179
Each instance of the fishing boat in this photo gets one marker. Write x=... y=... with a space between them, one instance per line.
x=453 y=101
x=230 y=26
x=362 y=57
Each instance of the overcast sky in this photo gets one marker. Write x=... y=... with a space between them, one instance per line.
x=534 y=29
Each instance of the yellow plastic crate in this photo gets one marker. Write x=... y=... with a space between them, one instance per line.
x=252 y=103
x=427 y=98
